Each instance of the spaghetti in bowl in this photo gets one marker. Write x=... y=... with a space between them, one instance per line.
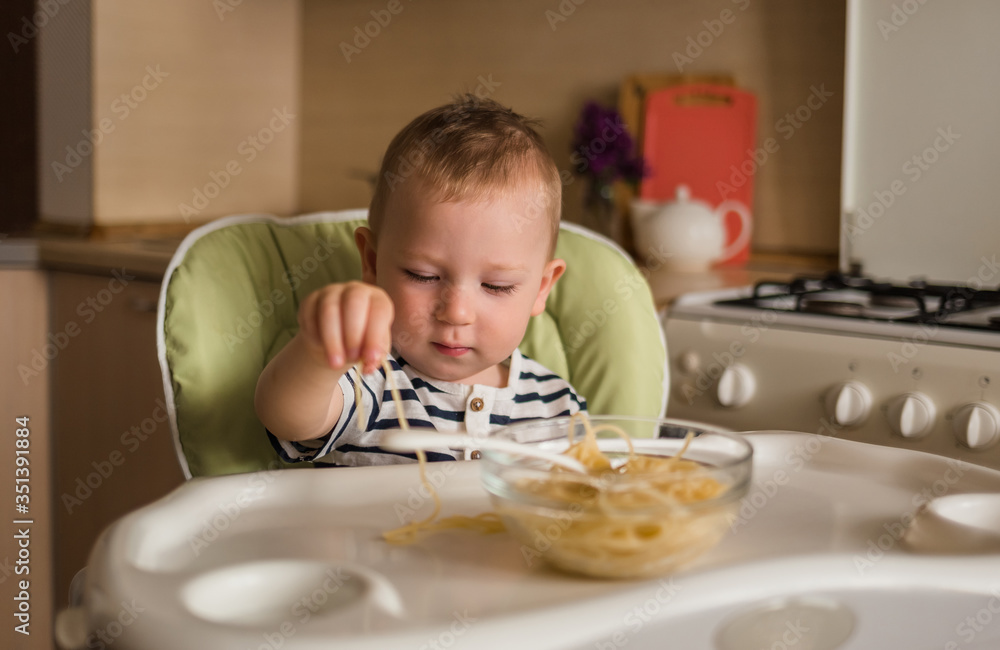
x=646 y=506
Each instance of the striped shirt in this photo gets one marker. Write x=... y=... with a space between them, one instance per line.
x=532 y=392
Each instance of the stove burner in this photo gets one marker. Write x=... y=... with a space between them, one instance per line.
x=832 y=307
x=852 y=296
x=900 y=301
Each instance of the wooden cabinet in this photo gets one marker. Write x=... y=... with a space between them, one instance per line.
x=25 y=565
x=112 y=447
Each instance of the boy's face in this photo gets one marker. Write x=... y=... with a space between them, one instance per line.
x=464 y=279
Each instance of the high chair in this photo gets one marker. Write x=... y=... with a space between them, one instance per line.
x=229 y=303
x=230 y=299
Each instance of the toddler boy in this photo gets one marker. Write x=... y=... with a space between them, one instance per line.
x=456 y=257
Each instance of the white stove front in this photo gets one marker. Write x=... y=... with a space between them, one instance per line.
x=926 y=387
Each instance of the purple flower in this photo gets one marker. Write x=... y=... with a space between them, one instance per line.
x=603 y=148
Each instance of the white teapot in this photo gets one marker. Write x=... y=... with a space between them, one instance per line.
x=686 y=234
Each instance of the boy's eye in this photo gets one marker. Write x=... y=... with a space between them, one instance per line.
x=506 y=289
x=418 y=277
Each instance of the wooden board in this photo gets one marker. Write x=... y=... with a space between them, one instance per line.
x=702 y=136
x=636 y=88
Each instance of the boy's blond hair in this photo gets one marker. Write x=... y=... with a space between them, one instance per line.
x=469 y=150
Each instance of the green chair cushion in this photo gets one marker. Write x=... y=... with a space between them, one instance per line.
x=230 y=298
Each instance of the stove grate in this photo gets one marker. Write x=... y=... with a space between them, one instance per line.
x=917 y=302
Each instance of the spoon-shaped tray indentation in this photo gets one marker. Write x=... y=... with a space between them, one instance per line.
x=260 y=594
x=957 y=523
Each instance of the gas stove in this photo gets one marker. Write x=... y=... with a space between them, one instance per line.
x=902 y=346
x=955 y=313
x=840 y=294
x=914 y=366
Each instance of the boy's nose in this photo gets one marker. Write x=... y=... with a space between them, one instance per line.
x=455 y=307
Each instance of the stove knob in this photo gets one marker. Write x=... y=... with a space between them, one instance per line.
x=736 y=386
x=849 y=403
x=912 y=415
x=977 y=425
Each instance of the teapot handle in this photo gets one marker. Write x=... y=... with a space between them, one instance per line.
x=744 y=237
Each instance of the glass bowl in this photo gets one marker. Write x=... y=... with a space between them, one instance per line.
x=619 y=525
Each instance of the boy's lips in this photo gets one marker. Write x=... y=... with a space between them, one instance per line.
x=451 y=350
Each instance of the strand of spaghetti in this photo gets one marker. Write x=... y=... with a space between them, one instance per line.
x=587 y=451
x=486 y=523
x=687 y=443
x=358 y=397
x=618 y=431
x=678 y=457
x=609 y=531
x=410 y=530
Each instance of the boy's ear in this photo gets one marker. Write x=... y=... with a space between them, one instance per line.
x=365 y=240
x=553 y=270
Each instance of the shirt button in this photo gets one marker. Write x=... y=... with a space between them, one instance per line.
x=476 y=454
x=476 y=404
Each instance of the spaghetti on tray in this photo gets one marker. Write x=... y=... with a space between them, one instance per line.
x=639 y=517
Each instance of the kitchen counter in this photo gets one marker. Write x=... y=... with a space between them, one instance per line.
x=144 y=257
x=148 y=257
x=668 y=284
x=18 y=253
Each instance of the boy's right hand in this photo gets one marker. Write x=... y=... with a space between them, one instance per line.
x=346 y=323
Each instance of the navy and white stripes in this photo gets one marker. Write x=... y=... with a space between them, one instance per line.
x=532 y=392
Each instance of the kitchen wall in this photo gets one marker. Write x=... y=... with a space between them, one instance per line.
x=547 y=58
x=155 y=112
x=354 y=71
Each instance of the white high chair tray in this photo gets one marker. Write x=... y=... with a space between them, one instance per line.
x=294 y=559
